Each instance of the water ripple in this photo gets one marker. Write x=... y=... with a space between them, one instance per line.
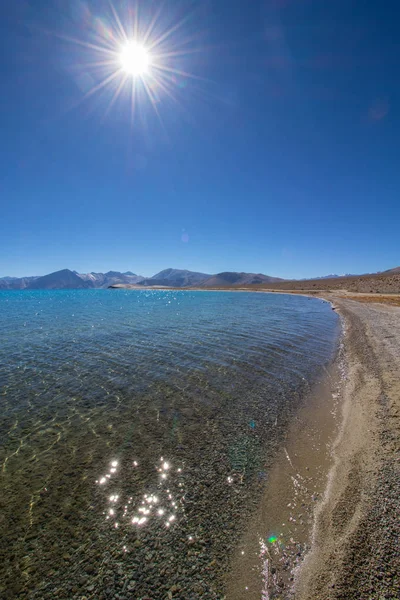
x=102 y=391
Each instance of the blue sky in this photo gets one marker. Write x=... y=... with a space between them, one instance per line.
x=274 y=150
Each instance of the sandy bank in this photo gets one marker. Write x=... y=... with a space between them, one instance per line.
x=277 y=536
x=355 y=546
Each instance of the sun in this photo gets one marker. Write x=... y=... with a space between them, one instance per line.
x=140 y=60
x=134 y=59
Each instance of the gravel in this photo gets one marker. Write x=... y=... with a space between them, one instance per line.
x=356 y=552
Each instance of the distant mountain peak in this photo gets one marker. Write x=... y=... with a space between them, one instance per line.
x=175 y=278
x=236 y=278
x=104 y=280
x=64 y=279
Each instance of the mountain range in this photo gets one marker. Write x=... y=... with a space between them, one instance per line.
x=67 y=279
x=177 y=278
x=233 y=278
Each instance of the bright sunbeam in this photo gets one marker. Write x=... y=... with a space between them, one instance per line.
x=135 y=59
x=139 y=58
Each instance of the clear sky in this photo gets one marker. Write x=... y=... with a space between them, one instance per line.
x=267 y=139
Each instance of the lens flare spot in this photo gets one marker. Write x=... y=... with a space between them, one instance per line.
x=272 y=539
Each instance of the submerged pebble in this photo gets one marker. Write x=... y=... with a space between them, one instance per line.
x=189 y=411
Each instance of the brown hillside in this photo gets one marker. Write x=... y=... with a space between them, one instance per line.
x=383 y=283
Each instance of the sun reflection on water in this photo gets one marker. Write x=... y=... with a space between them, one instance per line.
x=107 y=476
x=159 y=505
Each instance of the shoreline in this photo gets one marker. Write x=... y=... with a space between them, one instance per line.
x=391 y=299
x=277 y=537
x=353 y=552
x=355 y=533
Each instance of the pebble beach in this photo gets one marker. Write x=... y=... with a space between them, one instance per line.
x=355 y=540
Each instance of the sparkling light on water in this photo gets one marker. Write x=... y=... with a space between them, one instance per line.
x=88 y=412
x=153 y=505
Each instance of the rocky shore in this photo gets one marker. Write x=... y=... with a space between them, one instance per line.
x=355 y=544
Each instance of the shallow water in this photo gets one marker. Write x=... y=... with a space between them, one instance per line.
x=137 y=429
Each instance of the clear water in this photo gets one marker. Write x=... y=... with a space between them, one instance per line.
x=137 y=429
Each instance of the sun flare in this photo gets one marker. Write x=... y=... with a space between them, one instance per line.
x=134 y=59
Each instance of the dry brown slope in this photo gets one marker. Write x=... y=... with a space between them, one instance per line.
x=388 y=283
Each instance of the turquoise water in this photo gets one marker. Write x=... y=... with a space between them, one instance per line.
x=137 y=429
